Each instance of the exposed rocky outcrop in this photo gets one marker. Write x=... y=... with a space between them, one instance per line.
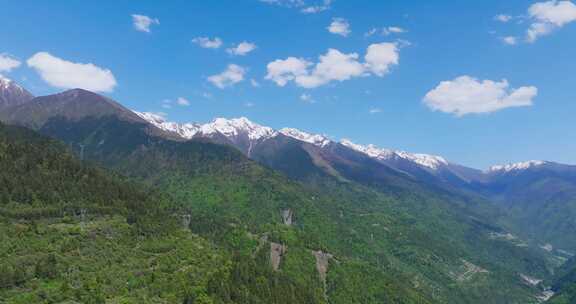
x=322 y=262
x=287 y=217
x=277 y=251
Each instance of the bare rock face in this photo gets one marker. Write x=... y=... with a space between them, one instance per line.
x=277 y=251
x=287 y=217
x=322 y=263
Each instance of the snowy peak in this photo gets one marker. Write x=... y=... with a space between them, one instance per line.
x=428 y=161
x=186 y=131
x=516 y=166
x=315 y=139
x=236 y=126
x=12 y=94
x=230 y=128
x=153 y=118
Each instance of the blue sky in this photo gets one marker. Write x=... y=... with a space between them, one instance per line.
x=382 y=101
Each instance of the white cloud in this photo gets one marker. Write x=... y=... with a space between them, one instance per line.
x=231 y=76
x=208 y=43
x=393 y=30
x=143 y=23
x=510 y=40
x=67 y=75
x=306 y=7
x=181 y=101
x=503 y=18
x=242 y=49
x=283 y=71
x=334 y=66
x=339 y=26
x=249 y=104
x=318 y=8
x=385 y=31
x=381 y=57
x=548 y=16
x=467 y=95
x=8 y=63
x=375 y=111
x=307 y=98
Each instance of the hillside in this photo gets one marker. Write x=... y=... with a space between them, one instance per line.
x=73 y=232
x=421 y=238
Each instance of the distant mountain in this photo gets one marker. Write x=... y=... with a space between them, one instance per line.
x=540 y=197
x=11 y=94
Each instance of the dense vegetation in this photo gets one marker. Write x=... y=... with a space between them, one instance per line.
x=414 y=244
x=72 y=232
x=541 y=205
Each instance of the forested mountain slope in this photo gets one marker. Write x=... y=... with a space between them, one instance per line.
x=413 y=243
x=75 y=233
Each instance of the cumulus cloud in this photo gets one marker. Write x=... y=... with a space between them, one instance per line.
x=242 y=49
x=334 y=66
x=283 y=71
x=8 y=63
x=339 y=26
x=208 y=43
x=375 y=111
x=231 y=76
x=467 y=95
x=548 y=16
x=65 y=74
x=143 y=23
x=381 y=57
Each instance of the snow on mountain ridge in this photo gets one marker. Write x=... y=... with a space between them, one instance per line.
x=315 y=139
x=233 y=127
x=12 y=93
x=429 y=161
x=517 y=166
x=7 y=83
x=227 y=127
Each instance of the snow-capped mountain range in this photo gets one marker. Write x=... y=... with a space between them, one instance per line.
x=246 y=134
x=227 y=127
x=236 y=127
x=428 y=161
